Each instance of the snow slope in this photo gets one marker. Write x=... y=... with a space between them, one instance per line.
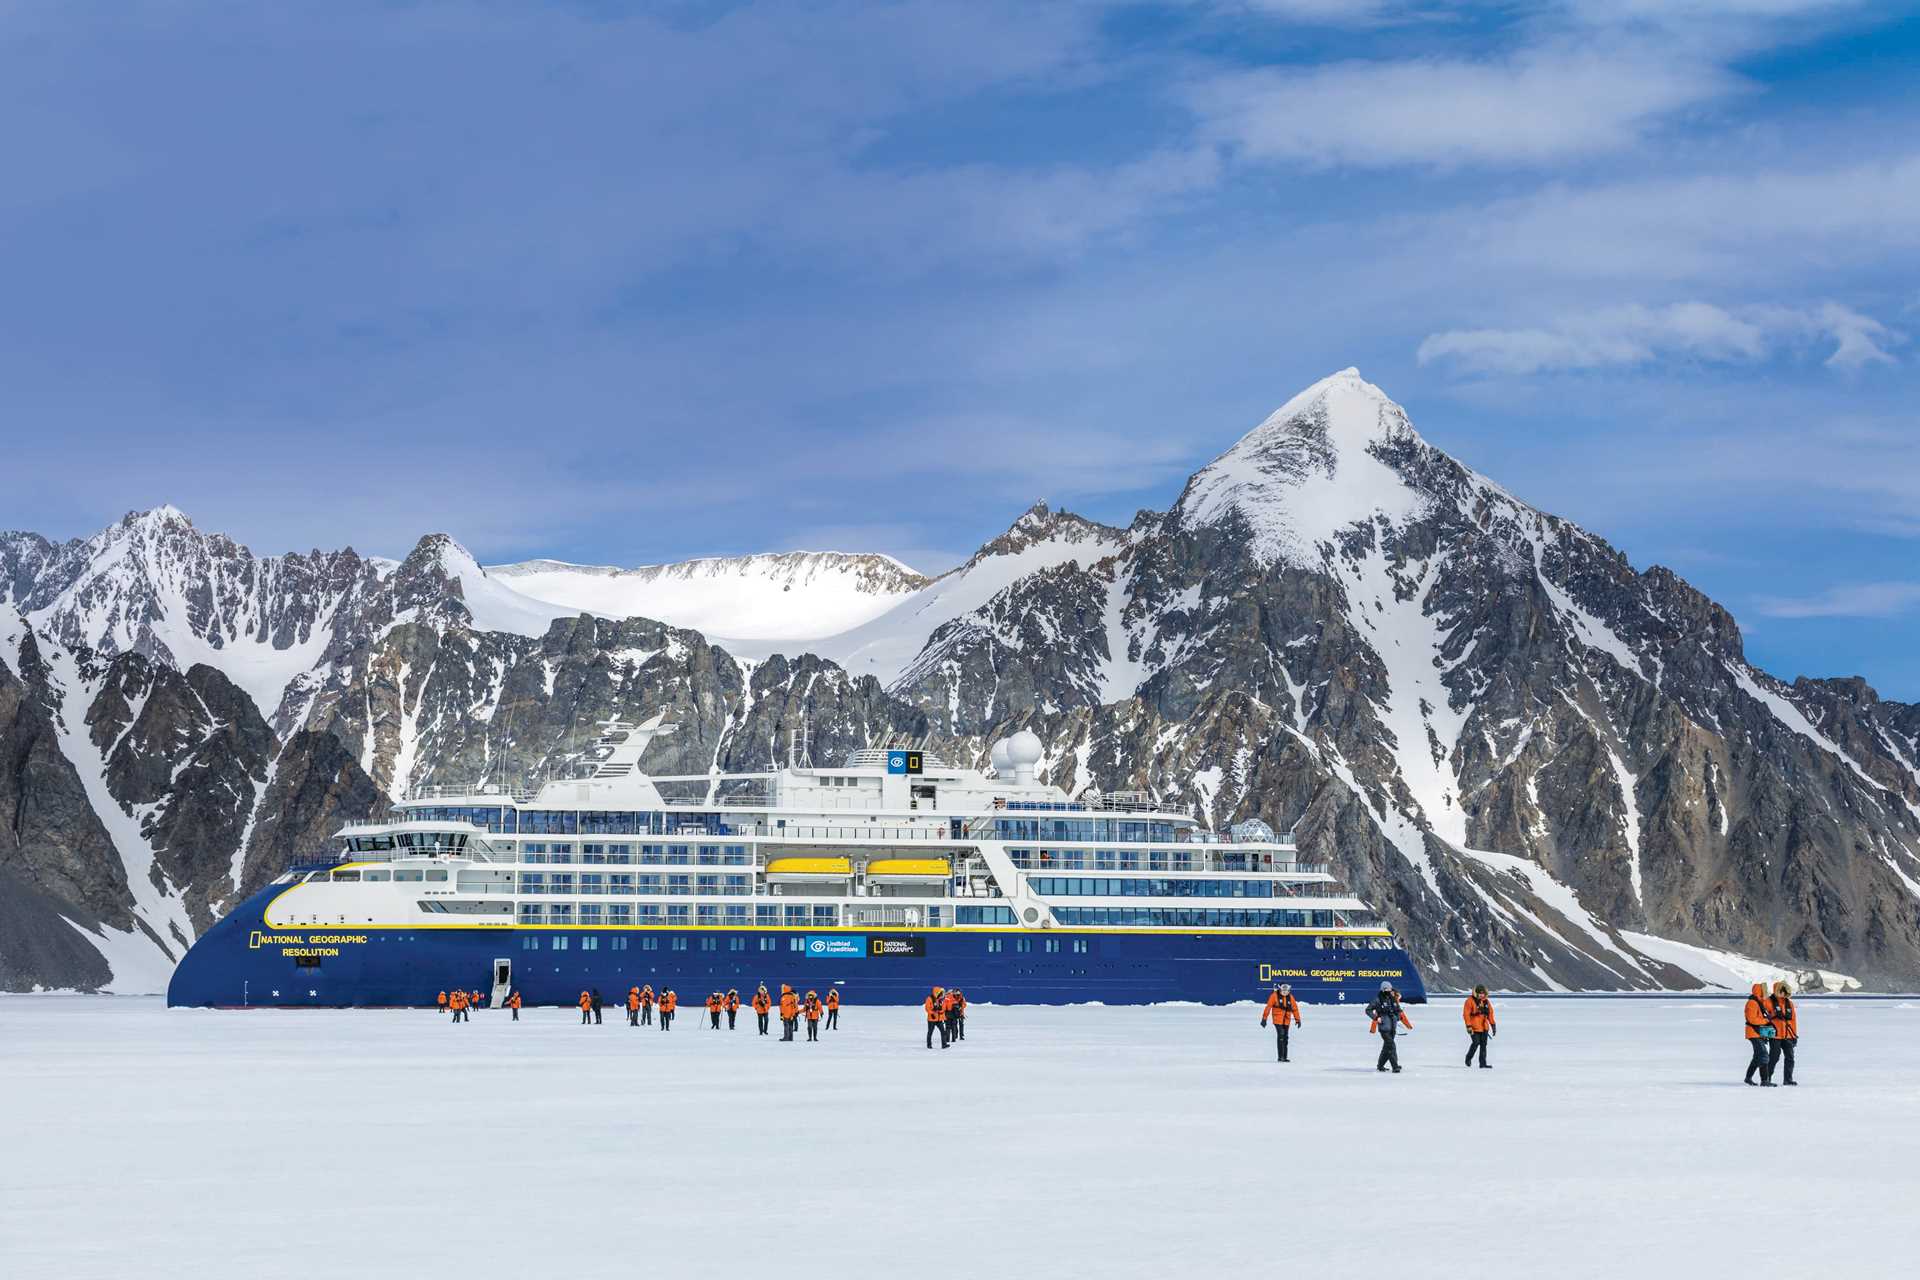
x=788 y=596
x=886 y=646
x=1052 y=1142
x=1308 y=472
x=495 y=605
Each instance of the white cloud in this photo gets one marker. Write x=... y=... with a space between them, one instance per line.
x=1859 y=600
x=1862 y=339
x=1540 y=105
x=1774 y=222
x=1620 y=337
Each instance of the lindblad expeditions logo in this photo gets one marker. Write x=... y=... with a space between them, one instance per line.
x=835 y=947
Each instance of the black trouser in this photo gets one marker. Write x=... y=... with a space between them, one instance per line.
x=731 y=1015
x=788 y=1026
x=666 y=1019
x=933 y=1028
x=1760 y=1062
x=956 y=1026
x=1779 y=1051
x=516 y=1013
x=1280 y=1040
x=646 y=1014
x=813 y=1028
x=833 y=1018
x=596 y=1015
x=586 y=1016
x=1477 y=1043
x=633 y=1016
x=763 y=1022
x=1389 y=1052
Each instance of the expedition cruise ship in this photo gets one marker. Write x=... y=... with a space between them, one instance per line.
x=882 y=878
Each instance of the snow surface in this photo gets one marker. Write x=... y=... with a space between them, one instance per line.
x=1055 y=1142
x=495 y=606
x=887 y=646
x=788 y=596
x=1307 y=472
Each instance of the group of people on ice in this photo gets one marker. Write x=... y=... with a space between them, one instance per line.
x=1773 y=1029
x=1387 y=1016
x=461 y=1004
x=946 y=1016
x=646 y=1009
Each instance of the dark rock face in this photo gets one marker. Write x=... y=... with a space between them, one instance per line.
x=1541 y=766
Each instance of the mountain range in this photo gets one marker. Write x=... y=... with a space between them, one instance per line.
x=1545 y=768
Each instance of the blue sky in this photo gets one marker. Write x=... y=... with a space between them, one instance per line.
x=625 y=283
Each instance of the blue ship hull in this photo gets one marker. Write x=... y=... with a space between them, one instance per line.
x=242 y=962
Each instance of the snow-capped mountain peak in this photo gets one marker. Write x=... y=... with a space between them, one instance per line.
x=783 y=596
x=1313 y=468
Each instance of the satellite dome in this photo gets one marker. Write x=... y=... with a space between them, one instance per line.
x=1023 y=752
x=1001 y=765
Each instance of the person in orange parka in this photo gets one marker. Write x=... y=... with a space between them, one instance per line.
x=936 y=1007
x=715 y=1003
x=633 y=1006
x=513 y=1003
x=1284 y=1012
x=957 y=1015
x=1759 y=1018
x=762 y=1007
x=669 y=1002
x=789 y=1012
x=813 y=1009
x=443 y=1002
x=586 y=1008
x=833 y=1009
x=646 y=1005
x=733 y=1006
x=475 y=1001
x=457 y=1002
x=1477 y=1013
x=1786 y=1031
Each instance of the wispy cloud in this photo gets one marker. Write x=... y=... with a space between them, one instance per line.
x=1618 y=337
x=1859 y=600
x=1532 y=107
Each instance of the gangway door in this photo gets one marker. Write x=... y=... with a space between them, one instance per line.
x=502 y=982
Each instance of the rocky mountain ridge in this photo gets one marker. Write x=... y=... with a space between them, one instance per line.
x=1546 y=768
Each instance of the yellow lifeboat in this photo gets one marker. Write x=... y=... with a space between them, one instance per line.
x=910 y=868
x=809 y=868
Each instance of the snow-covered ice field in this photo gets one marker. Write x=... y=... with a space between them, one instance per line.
x=1613 y=1137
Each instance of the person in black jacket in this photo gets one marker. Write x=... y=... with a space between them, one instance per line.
x=596 y=1006
x=1388 y=1017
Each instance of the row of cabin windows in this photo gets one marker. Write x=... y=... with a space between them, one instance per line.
x=1194 y=917
x=679 y=942
x=672 y=855
x=1152 y=887
x=800 y=916
x=591 y=942
x=568 y=822
x=1127 y=830
x=626 y=882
